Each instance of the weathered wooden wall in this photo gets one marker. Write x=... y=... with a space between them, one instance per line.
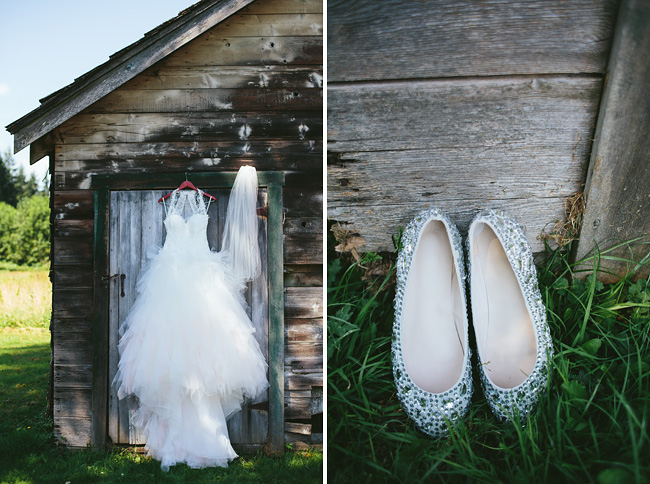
x=248 y=91
x=618 y=182
x=463 y=105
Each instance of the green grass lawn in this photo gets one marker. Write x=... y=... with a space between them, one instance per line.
x=28 y=453
x=591 y=427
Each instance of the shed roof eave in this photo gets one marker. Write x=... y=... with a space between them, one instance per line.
x=121 y=67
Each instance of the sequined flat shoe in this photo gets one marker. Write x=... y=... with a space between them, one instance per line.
x=431 y=355
x=512 y=337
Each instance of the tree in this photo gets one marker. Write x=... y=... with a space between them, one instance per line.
x=25 y=231
x=14 y=185
x=8 y=191
x=33 y=230
x=8 y=242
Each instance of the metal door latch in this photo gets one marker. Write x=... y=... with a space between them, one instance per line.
x=106 y=279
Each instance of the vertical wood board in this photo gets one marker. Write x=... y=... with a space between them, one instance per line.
x=100 y=322
x=618 y=182
x=276 y=321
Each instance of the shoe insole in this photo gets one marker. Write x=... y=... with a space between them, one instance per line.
x=433 y=325
x=504 y=331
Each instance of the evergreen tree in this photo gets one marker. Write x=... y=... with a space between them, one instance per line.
x=8 y=190
x=14 y=184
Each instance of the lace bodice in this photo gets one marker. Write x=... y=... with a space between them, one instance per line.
x=187 y=220
x=189 y=234
x=193 y=199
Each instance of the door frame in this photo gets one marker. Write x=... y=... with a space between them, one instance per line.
x=102 y=185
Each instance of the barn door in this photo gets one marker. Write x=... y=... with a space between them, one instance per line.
x=135 y=228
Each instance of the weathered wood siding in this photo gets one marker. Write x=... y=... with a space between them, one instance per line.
x=461 y=105
x=618 y=184
x=248 y=91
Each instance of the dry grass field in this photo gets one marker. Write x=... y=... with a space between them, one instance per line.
x=25 y=299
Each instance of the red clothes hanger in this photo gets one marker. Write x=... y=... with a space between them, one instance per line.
x=186 y=184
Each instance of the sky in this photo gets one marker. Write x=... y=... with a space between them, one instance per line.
x=46 y=44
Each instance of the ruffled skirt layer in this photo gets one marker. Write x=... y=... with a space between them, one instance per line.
x=188 y=353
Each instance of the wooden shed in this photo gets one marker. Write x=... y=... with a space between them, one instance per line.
x=469 y=105
x=226 y=83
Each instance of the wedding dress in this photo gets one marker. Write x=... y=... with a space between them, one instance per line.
x=187 y=349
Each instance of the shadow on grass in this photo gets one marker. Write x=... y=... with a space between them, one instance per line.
x=29 y=454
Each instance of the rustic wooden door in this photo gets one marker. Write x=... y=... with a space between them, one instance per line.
x=135 y=229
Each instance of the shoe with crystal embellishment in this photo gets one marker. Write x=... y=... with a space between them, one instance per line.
x=512 y=337
x=431 y=355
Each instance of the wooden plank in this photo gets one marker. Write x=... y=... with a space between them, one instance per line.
x=119 y=260
x=302 y=381
x=72 y=303
x=304 y=364
x=194 y=126
x=267 y=25
x=205 y=179
x=303 y=201
x=304 y=179
x=73 y=250
x=303 y=240
x=307 y=226
x=73 y=376
x=73 y=348
x=539 y=112
x=284 y=6
x=297 y=428
x=73 y=228
x=276 y=321
x=414 y=39
x=100 y=322
x=379 y=223
x=72 y=403
x=308 y=330
x=215 y=50
x=302 y=349
x=618 y=181
x=72 y=277
x=123 y=66
x=115 y=222
x=72 y=432
x=303 y=275
x=74 y=204
x=43 y=146
x=401 y=165
x=71 y=325
x=303 y=248
x=297 y=407
x=304 y=302
x=208 y=100
x=215 y=151
x=74 y=178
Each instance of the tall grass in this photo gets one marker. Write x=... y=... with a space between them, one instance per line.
x=591 y=427
x=25 y=298
x=28 y=452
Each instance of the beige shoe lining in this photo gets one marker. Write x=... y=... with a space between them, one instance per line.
x=504 y=330
x=433 y=325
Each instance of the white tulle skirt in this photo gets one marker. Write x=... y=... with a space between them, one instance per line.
x=188 y=353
